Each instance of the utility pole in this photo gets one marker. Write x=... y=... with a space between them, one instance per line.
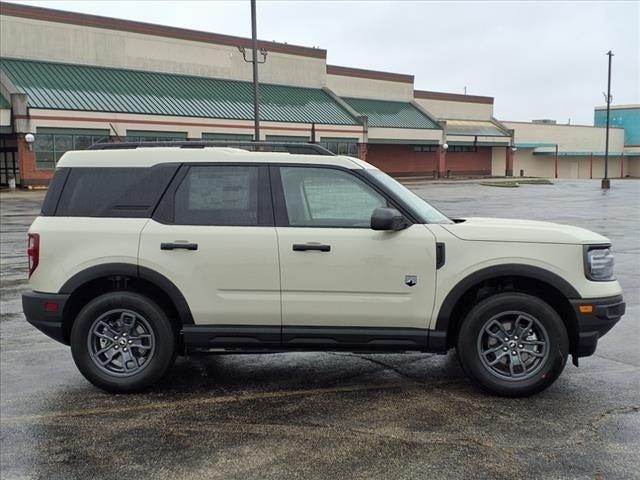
x=254 y=60
x=606 y=183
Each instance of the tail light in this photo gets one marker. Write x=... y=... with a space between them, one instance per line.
x=33 y=252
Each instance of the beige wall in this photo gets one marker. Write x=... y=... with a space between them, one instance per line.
x=59 y=42
x=633 y=166
x=457 y=110
x=346 y=86
x=404 y=134
x=498 y=161
x=194 y=127
x=571 y=166
x=5 y=117
x=570 y=138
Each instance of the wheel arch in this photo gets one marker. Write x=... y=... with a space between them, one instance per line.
x=89 y=283
x=537 y=281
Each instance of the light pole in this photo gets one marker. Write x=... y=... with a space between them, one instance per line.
x=606 y=183
x=254 y=60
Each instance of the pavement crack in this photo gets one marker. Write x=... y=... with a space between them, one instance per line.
x=385 y=366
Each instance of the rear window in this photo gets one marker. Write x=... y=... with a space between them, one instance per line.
x=110 y=192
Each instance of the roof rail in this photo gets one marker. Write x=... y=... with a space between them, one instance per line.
x=291 y=147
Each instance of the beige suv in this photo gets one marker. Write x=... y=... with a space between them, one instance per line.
x=145 y=251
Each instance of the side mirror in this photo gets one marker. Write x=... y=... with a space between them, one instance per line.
x=388 y=219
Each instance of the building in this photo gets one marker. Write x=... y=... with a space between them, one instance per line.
x=73 y=79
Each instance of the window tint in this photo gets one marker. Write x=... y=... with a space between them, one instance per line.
x=218 y=195
x=324 y=197
x=113 y=192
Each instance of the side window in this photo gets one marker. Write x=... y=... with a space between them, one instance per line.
x=325 y=197
x=218 y=195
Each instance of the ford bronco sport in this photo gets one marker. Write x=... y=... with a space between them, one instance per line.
x=148 y=251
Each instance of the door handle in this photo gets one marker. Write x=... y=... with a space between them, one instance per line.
x=178 y=246
x=302 y=247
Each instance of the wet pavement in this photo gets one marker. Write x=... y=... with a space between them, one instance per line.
x=331 y=415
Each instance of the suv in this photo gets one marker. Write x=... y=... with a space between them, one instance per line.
x=144 y=252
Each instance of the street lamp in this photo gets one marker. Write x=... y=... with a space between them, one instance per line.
x=254 y=60
x=606 y=183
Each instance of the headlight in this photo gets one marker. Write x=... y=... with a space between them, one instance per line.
x=599 y=264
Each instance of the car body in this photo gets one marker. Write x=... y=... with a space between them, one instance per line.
x=232 y=250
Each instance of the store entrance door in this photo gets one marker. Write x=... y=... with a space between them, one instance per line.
x=8 y=160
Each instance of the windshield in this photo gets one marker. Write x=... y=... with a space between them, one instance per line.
x=418 y=206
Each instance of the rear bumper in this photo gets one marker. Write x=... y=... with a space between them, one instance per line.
x=606 y=312
x=39 y=311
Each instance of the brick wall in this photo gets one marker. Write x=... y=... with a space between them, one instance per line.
x=470 y=163
x=29 y=175
x=403 y=160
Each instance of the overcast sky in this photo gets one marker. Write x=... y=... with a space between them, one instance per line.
x=538 y=59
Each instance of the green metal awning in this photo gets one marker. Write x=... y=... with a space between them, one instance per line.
x=61 y=86
x=533 y=145
x=546 y=151
x=383 y=113
x=474 y=128
x=4 y=103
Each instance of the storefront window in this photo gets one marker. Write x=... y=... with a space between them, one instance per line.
x=52 y=143
x=341 y=146
x=149 y=136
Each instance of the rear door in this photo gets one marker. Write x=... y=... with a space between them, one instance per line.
x=342 y=282
x=213 y=236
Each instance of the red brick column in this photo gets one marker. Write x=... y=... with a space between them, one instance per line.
x=508 y=170
x=441 y=161
x=29 y=175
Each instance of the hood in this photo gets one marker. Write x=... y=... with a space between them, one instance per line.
x=530 y=231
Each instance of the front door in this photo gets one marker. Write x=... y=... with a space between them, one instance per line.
x=344 y=284
x=213 y=237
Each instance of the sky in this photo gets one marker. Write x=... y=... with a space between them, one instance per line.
x=538 y=59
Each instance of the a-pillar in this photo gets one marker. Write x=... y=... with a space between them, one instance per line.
x=441 y=161
x=508 y=169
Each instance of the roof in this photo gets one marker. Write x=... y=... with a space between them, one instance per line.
x=148 y=156
x=73 y=18
x=383 y=113
x=473 y=128
x=547 y=151
x=619 y=107
x=4 y=103
x=371 y=74
x=452 y=97
x=62 y=86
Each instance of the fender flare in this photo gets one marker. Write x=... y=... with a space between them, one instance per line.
x=132 y=270
x=506 y=270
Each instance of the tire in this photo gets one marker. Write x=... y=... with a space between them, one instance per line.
x=131 y=334
x=534 y=356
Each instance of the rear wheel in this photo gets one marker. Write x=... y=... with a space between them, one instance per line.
x=122 y=342
x=513 y=344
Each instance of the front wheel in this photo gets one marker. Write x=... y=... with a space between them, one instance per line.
x=122 y=342
x=513 y=345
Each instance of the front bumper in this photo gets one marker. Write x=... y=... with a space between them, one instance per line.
x=39 y=310
x=604 y=314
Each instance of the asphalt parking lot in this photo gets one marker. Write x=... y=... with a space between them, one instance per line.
x=332 y=415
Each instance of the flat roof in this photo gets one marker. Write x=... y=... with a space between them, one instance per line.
x=371 y=74
x=452 y=97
